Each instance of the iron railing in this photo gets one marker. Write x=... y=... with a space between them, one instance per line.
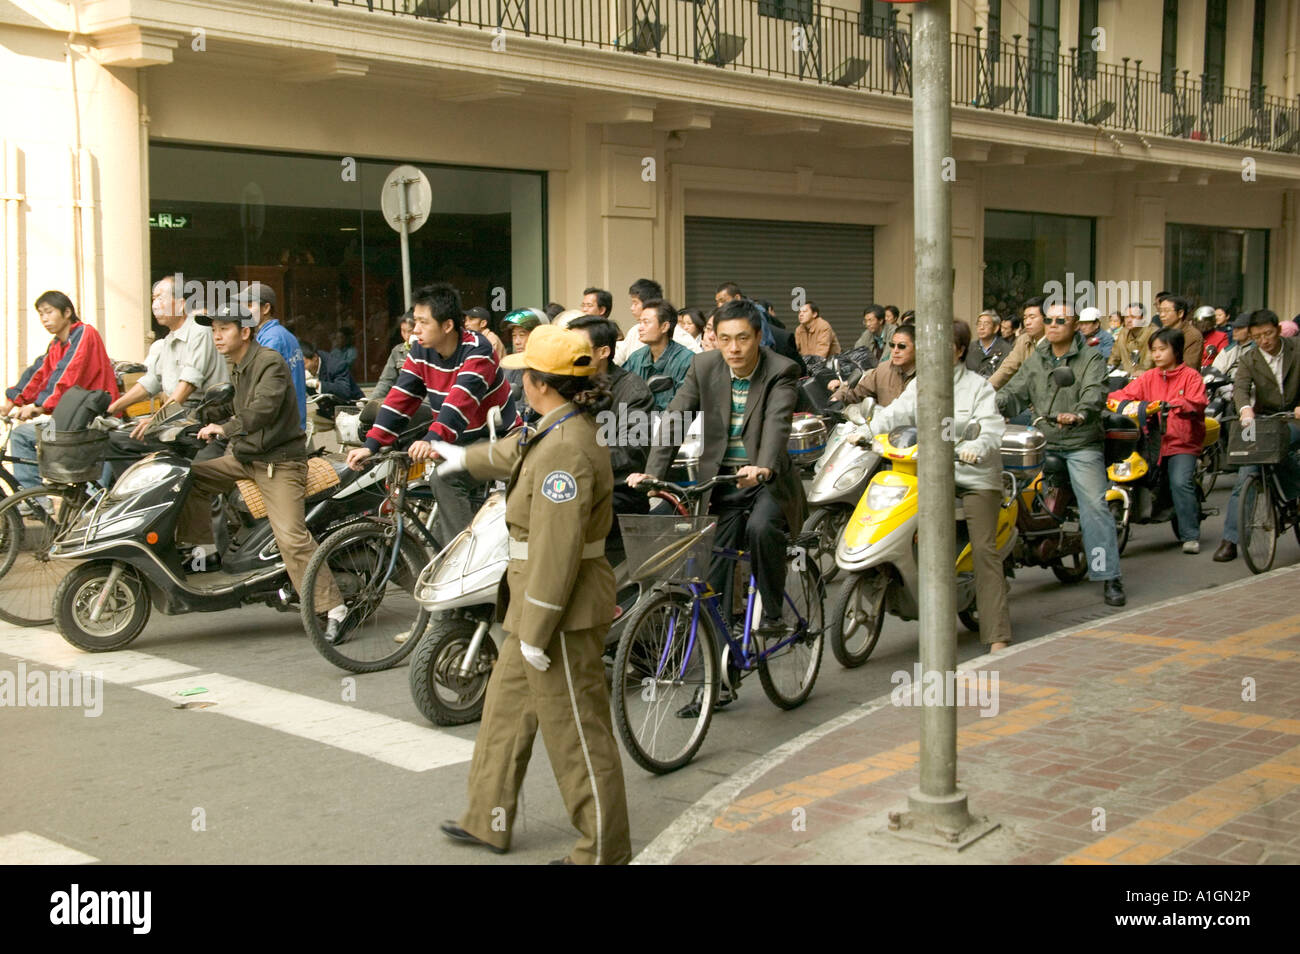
x=811 y=41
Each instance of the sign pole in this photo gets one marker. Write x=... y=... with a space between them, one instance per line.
x=405 y=222
x=937 y=812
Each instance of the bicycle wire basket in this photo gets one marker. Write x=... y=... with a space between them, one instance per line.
x=71 y=457
x=667 y=546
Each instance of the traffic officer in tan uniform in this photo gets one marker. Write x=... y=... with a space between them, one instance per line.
x=557 y=601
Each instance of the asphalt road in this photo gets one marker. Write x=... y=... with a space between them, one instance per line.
x=282 y=769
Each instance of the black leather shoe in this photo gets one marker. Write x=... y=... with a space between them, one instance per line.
x=1114 y=592
x=1226 y=553
x=691 y=710
x=456 y=833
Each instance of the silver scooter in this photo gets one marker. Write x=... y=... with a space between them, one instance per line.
x=841 y=478
x=454 y=658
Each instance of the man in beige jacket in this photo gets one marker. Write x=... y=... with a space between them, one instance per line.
x=1029 y=336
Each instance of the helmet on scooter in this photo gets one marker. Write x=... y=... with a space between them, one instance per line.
x=1205 y=311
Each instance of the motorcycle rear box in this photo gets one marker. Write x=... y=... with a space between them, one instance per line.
x=807 y=437
x=1023 y=449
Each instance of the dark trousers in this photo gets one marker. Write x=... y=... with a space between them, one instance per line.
x=750 y=520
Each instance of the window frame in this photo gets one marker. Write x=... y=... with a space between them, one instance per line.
x=1216 y=50
x=1169 y=47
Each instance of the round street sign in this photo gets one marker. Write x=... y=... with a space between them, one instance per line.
x=419 y=198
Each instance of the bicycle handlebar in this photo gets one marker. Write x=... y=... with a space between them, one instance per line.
x=652 y=484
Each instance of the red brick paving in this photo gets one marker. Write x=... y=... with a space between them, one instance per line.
x=1186 y=770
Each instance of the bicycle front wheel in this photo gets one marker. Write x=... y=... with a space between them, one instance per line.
x=789 y=669
x=665 y=683
x=384 y=621
x=29 y=522
x=1257 y=523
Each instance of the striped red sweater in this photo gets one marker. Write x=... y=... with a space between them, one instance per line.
x=460 y=390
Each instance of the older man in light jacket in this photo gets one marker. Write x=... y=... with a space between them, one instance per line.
x=979 y=479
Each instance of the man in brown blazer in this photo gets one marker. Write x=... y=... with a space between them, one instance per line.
x=746 y=396
x=1267 y=382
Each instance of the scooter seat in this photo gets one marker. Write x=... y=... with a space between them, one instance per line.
x=1119 y=427
x=1055 y=465
x=321 y=477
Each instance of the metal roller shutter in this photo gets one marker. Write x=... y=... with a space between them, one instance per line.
x=832 y=263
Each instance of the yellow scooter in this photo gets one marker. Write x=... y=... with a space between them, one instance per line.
x=877 y=553
x=1139 y=490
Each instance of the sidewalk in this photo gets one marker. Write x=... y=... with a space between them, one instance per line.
x=1168 y=734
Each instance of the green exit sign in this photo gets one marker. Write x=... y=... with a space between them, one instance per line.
x=169 y=220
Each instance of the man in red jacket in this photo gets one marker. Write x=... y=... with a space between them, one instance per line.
x=1181 y=387
x=76 y=356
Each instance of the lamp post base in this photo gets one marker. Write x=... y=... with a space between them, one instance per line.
x=942 y=821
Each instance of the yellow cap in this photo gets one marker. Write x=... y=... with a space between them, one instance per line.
x=553 y=350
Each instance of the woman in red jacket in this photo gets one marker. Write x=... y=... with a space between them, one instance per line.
x=1183 y=390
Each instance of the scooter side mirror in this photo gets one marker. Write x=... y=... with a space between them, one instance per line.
x=659 y=383
x=218 y=395
x=971 y=431
x=1063 y=377
x=854 y=413
x=868 y=407
x=853 y=379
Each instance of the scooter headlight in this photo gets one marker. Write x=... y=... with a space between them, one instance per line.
x=140 y=476
x=884 y=496
x=1123 y=469
x=850 y=477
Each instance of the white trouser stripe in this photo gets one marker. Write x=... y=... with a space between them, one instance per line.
x=582 y=740
x=549 y=606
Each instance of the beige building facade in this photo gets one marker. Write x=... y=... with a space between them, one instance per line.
x=572 y=144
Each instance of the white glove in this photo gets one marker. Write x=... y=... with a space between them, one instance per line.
x=968 y=455
x=453 y=457
x=535 y=657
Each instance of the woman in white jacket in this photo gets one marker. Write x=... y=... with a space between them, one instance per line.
x=979 y=479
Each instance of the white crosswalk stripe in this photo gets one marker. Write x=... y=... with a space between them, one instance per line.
x=380 y=737
x=29 y=848
x=396 y=742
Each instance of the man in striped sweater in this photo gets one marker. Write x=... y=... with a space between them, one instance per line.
x=457 y=373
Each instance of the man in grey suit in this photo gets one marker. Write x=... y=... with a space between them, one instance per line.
x=1267 y=382
x=746 y=395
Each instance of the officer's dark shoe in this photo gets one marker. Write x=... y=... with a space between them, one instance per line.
x=772 y=627
x=1114 y=592
x=456 y=833
x=559 y=861
x=1226 y=553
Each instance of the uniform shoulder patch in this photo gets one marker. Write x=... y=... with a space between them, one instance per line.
x=559 y=486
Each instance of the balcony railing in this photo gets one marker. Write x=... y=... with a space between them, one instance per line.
x=814 y=42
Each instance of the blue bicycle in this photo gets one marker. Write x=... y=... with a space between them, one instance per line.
x=667 y=671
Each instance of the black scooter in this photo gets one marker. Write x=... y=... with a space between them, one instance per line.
x=133 y=563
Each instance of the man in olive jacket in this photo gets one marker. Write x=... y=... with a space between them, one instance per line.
x=268 y=447
x=746 y=394
x=1074 y=432
x=1267 y=381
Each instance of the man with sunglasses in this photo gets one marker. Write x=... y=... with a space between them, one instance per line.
x=1072 y=423
x=886 y=381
